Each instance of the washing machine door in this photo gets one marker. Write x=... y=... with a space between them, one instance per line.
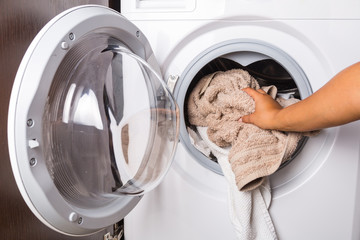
x=92 y=125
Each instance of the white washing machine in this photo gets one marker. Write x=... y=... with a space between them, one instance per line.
x=93 y=127
x=315 y=196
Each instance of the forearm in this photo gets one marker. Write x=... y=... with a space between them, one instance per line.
x=302 y=116
x=336 y=103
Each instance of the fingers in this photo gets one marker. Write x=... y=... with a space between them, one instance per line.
x=250 y=91
x=246 y=119
x=266 y=109
x=261 y=91
x=253 y=93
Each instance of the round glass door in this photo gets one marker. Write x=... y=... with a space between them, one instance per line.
x=92 y=127
x=109 y=125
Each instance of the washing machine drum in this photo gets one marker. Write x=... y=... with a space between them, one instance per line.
x=92 y=126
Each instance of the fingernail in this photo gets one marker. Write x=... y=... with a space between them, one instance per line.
x=240 y=120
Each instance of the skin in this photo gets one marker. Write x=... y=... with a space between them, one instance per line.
x=336 y=103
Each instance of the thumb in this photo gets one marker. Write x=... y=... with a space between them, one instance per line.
x=253 y=93
x=246 y=118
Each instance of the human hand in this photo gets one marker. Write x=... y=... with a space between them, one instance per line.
x=266 y=109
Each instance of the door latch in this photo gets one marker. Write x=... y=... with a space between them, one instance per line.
x=171 y=82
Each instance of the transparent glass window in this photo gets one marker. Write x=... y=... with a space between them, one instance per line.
x=110 y=127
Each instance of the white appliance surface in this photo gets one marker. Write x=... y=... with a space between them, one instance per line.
x=317 y=195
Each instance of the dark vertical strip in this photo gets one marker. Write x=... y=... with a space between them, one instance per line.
x=115 y=4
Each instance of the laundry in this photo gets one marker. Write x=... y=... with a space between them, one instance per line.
x=217 y=102
x=248 y=210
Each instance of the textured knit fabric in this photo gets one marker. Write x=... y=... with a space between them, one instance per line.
x=217 y=102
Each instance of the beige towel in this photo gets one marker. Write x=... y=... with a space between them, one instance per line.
x=217 y=102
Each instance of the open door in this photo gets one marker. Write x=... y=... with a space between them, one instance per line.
x=91 y=125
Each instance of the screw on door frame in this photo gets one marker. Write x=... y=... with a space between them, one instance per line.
x=30 y=122
x=71 y=36
x=33 y=162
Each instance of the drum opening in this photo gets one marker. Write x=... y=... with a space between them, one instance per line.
x=266 y=70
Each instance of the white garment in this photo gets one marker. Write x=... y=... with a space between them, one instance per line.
x=248 y=210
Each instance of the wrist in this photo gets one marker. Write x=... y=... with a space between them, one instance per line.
x=280 y=122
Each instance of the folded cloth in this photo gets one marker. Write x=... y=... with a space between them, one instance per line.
x=217 y=102
x=248 y=210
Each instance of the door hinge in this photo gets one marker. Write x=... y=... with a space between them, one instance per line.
x=118 y=232
x=108 y=236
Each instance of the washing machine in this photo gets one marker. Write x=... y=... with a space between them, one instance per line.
x=97 y=122
x=314 y=196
